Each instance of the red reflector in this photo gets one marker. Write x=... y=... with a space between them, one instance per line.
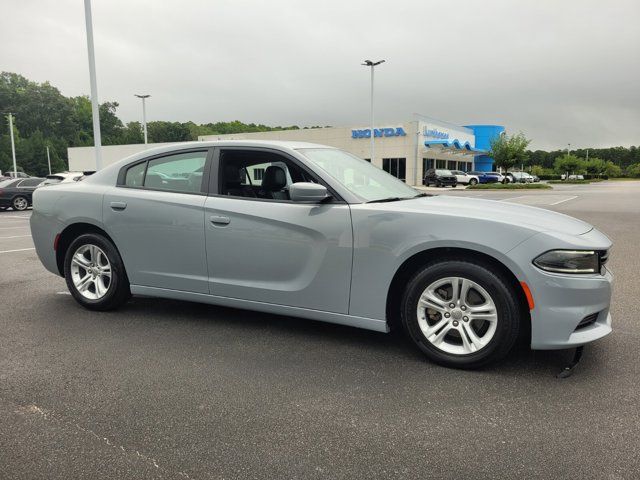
x=55 y=242
x=527 y=294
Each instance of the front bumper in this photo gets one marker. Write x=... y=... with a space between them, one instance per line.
x=563 y=301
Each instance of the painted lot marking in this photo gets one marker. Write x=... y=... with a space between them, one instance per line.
x=15 y=216
x=12 y=228
x=541 y=200
x=17 y=250
x=16 y=236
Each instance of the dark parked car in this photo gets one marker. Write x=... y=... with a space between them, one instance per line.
x=488 y=177
x=17 y=193
x=440 y=178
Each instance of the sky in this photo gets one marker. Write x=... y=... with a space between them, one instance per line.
x=560 y=71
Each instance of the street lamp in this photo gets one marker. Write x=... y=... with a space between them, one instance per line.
x=372 y=65
x=144 y=114
x=95 y=108
x=568 y=148
x=13 y=145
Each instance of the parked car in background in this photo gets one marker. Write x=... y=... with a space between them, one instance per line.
x=294 y=228
x=17 y=193
x=487 y=177
x=12 y=174
x=464 y=178
x=62 y=177
x=440 y=178
x=518 y=177
x=535 y=178
x=572 y=177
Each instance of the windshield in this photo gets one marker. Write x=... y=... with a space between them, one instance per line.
x=358 y=176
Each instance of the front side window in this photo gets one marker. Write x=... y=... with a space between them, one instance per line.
x=257 y=174
x=30 y=182
x=358 y=176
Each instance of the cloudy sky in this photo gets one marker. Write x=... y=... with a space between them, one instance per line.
x=561 y=71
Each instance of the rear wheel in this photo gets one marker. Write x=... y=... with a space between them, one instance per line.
x=20 y=203
x=473 y=181
x=460 y=314
x=95 y=274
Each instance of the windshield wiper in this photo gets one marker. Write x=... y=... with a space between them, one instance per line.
x=390 y=199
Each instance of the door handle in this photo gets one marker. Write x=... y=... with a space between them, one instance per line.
x=220 y=220
x=118 y=205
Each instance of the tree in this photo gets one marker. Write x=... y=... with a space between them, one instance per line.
x=595 y=166
x=568 y=164
x=634 y=170
x=508 y=151
x=612 y=170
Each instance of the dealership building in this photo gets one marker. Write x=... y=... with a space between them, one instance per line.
x=405 y=150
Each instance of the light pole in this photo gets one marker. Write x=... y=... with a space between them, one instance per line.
x=13 y=145
x=97 y=141
x=144 y=114
x=568 y=148
x=48 y=160
x=372 y=65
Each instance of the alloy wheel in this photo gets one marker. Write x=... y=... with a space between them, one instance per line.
x=91 y=272
x=20 y=203
x=457 y=315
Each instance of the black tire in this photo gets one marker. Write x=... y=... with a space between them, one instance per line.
x=118 y=291
x=473 y=181
x=502 y=294
x=20 y=203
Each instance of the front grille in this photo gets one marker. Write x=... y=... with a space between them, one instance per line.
x=588 y=320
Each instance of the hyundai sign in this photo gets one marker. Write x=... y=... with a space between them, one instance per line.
x=379 y=132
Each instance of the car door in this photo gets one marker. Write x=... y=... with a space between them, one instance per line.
x=273 y=250
x=155 y=217
x=27 y=186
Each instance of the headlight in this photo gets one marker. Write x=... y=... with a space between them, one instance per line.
x=569 y=261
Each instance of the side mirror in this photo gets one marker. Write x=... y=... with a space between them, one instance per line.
x=307 y=192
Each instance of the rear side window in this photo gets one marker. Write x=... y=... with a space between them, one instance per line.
x=180 y=173
x=135 y=175
x=30 y=182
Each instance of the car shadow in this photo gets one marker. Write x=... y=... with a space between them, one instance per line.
x=394 y=346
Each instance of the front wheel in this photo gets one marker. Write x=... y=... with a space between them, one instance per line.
x=95 y=274
x=460 y=314
x=20 y=204
x=473 y=181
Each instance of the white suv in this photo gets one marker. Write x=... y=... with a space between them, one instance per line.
x=465 y=178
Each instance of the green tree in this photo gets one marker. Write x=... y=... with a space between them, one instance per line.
x=508 y=151
x=634 y=170
x=612 y=170
x=595 y=166
x=568 y=164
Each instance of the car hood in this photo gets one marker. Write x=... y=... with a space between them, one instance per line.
x=537 y=219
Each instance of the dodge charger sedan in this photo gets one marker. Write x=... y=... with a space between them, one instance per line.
x=314 y=232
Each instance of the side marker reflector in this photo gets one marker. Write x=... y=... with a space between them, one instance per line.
x=527 y=293
x=55 y=242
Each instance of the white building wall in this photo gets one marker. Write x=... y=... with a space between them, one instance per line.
x=410 y=146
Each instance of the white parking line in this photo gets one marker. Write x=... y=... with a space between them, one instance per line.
x=565 y=200
x=14 y=216
x=63 y=293
x=17 y=250
x=11 y=228
x=512 y=198
x=16 y=236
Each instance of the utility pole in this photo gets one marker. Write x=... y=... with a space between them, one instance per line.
x=48 y=160
x=95 y=107
x=372 y=65
x=144 y=114
x=13 y=146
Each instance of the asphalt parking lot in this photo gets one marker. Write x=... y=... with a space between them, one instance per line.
x=167 y=389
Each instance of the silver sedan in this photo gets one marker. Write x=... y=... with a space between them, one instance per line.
x=312 y=231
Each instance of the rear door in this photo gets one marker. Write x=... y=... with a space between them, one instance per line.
x=273 y=250
x=155 y=216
